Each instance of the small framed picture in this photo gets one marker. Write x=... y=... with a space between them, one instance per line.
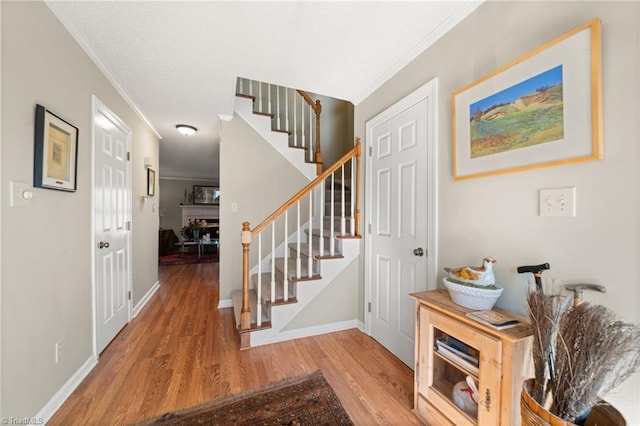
x=55 y=153
x=151 y=182
x=205 y=194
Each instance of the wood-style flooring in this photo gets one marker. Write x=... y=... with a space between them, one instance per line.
x=182 y=351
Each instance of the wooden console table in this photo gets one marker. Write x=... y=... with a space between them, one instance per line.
x=505 y=361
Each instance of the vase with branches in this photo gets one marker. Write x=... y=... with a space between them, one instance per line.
x=580 y=353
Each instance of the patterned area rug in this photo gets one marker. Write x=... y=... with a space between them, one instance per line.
x=186 y=258
x=306 y=400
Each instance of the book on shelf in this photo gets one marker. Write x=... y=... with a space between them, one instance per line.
x=459 y=349
x=458 y=353
x=494 y=319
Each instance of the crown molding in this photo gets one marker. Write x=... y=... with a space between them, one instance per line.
x=64 y=19
x=463 y=11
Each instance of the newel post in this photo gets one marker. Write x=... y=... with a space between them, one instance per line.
x=245 y=315
x=318 y=158
x=357 y=206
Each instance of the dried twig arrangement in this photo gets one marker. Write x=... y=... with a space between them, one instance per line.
x=579 y=354
x=545 y=312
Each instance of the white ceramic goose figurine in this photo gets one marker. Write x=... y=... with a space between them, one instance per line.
x=478 y=275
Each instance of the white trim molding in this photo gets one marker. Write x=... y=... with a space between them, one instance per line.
x=145 y=299
x=65 y=391
x=225 y=303
x=310 y=331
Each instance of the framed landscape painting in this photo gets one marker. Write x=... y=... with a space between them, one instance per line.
x=543 y=109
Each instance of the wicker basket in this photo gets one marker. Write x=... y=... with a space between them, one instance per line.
x=472 y=297
x=533 y=414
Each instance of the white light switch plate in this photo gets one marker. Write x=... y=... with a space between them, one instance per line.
x=558 y=202
x=21 y=194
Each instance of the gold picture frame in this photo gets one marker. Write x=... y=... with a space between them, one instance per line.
x=543 y=109
x=55 y=152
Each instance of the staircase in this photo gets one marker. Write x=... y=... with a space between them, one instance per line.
x=305 y=244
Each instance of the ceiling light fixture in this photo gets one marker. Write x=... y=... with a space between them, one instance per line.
x=185 y=129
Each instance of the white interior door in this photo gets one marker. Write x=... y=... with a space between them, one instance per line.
x=398 y=242
x=112 y=214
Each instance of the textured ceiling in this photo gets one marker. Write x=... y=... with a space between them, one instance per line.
x=177 y=62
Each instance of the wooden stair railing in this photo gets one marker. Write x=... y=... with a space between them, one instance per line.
x=305 y=195
x=291 y=112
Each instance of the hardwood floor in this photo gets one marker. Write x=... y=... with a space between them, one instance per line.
x=182 y=351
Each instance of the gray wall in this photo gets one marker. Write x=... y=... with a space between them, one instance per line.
x=256 y=177
x=336 y=128
x=497 y=215
x=336 y=303
x=171 y=195
x=46 y=275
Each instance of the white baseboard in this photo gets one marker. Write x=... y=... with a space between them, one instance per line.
x=360 y=326
x=225 y=303
x=310 y=331
x=141 y=304
x=63 y=393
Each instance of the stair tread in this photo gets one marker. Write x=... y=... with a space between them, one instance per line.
x=242 y=95
x=304 y=250
x=266 y=114
x=326 y=232
x=288 y=132
x=291 y=273
x=279 y=293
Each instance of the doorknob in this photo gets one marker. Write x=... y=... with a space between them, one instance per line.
x=418 y=251
x=103 y=245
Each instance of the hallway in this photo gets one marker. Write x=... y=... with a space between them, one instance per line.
x=182 y=351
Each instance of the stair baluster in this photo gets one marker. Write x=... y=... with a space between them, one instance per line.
x=298 y=259
x=259 y=289
x=286 y=109
x=332 y=242
x=343 y=220
x=310 y=244
x=276 y=116
x=273 y=262
x=285 y=280
x=310 y=138
x=352 y=193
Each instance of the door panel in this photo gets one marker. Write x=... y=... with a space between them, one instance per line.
x=112 y=212
x=398 y=226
